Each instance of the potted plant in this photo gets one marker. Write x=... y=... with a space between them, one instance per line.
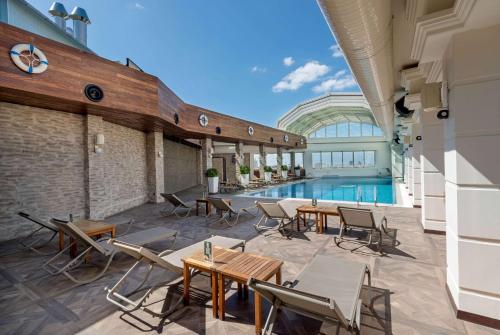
x=244 y=175
x=297 y=171
x=268 y=173
x=284 y=171
x=213 y=180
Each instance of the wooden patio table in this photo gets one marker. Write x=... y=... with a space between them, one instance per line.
x=321 y=214
x=208 y=207
x=90 y=227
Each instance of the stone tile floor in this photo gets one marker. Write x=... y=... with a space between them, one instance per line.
x=408 y=295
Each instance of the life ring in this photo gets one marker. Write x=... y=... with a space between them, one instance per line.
x=29 y=58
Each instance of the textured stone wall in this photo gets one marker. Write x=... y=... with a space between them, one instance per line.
x=124 y=168
x=41 y=166
x=155 y=164
x=181 y=166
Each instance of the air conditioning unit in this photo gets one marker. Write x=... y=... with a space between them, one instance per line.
x=434 y=96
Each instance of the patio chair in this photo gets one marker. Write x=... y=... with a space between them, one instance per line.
x=30 y=241
x=178 y=205
x=138 y=238
x=327 y=289
x=227 y=211
x=362 y=219
x=168 y=260
x=273 y=211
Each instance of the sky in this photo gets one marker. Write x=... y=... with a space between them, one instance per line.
x=254 y=60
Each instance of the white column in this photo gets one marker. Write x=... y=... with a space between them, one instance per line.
x=155 y=166
x=262 y=160
x=415 y=165
x=279 y=160
x=472 y=171
x=432 y=164
x=239 y=159
x=410 y=169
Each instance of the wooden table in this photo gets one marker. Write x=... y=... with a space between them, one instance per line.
x=321 y=214
x=208 y=207
x=91 y=228
x=232 y=265
x=240 y=269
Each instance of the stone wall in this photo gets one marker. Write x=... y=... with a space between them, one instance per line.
x=124 y=166
x=42 y=163
x=230 y=166
x=181 y=166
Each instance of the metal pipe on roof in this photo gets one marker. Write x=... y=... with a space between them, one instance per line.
x=80 y=22
x=58 y=11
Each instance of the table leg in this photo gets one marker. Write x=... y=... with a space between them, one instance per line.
x=187 y=280
x=245 y=290
x=298 y=220
x=278 y=277
x=258 y=313
x=222 y=297
x=305 y=223
x=214 y=294
x=240 y=291
x=113 y=232
x=208 y=208
x=74 y=247
x=61 y=239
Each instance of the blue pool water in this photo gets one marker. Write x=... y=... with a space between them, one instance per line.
x=335 y=188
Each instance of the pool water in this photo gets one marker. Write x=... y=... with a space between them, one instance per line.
x=367 y=189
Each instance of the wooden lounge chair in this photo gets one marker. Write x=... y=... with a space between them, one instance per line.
x=273 y=211
x=228 y=211
x=362 y=219
x=138 y=238
x=30 y=241
x=327 y=289
x=168 y=260
x=178 y=204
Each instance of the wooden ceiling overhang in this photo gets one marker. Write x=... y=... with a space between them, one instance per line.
x=131 y=98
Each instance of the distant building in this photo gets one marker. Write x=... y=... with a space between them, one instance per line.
x=21 y=14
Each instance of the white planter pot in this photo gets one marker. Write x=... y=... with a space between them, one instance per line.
x=213 y=184
x=284 y=174
x=297 y=172
x=245 y=179
x=268 y=176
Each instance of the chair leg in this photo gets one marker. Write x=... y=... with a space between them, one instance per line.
x=99 y=275
x=268 y=327
x=33 y=246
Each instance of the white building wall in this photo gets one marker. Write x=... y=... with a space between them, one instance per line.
x=472 y=171
x=415 y=165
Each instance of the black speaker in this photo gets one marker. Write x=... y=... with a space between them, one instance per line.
x=418 y=138
x=401 y=109
x=93 y=93
x=218 y=130
x=443 y=114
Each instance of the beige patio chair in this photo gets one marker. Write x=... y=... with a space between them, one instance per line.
x=168 y=260
x=138 y=238
x=228 y=211
x=327 y=289
x=178 y=205
x=273 y=211
x=31 y=242
x=362 y=219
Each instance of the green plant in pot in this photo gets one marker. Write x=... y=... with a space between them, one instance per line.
x=297 y=171
x=213 y=180
x=284 y=171
x=244 y=175
x=268 y=173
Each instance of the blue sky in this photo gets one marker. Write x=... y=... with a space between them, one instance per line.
x=250 y=59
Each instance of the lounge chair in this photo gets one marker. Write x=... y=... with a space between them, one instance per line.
x=273 y=211
x=227 y=211
x=168 y=260
x=138 y=238
x=327 y=289
x=363 y=219
x=178 y=205
x=30 y=241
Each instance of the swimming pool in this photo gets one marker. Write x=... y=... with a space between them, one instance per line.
x=335 y=188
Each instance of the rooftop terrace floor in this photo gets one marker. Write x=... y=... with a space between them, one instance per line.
x=409 y=295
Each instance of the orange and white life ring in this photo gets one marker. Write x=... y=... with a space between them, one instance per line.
x=29 y=58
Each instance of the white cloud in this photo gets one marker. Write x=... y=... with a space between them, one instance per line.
x=288 y=61
x=307 y=73
x=259 y=69
x=336 y=51
x=138 y=6
x=338 y=82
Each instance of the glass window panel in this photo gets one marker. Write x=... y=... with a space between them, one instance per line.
x=366 y=129
x=286 y=159
x=331 y=130
x=343 y=129
x=354 y=129
x=312 y=135
x=377 y=131
x=271 y=160
x=320 y=133
x=299 y=159
x=359 y=159
x=326 y=159
x=369 y=158
x=347 y=158
x=316 y=160
x=337 y=159
x=256 y=161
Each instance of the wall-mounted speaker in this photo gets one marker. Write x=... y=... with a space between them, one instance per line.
x=443 y=114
